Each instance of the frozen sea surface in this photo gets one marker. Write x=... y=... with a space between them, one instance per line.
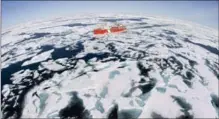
x=158 y=68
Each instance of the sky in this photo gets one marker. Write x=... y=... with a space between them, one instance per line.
x=201 y=12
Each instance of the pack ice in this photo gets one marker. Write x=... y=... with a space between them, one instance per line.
x=158 y=68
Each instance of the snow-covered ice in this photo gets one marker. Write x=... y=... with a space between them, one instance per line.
x=158 y=68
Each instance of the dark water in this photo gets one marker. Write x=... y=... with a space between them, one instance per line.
x=34 y=36
x=6 y=33
x=170 y=32
x=56 y=54
x=151 y=26
x=77 y=24
x=120 y=19
x=45 y=48
x=38 y=35
x=99 y=56
x=7 y=72
x=63 y=53
x=207 y=47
